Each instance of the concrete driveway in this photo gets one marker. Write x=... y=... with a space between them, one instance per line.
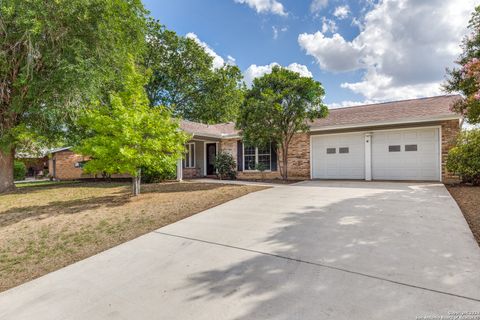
x=314 y=250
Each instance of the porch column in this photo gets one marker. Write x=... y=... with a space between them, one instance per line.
x=368 y=156
x=179 y=170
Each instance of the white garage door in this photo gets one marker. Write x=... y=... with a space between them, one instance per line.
x=406 y=155
x=340 y=156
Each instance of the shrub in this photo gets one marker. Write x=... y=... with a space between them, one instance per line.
x=150 y=175
x=464 y=159
x=261 y=167
x=19 y=171
x=225 y=166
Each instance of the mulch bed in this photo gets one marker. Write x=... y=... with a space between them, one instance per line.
x=468 y=199
x=277 y=181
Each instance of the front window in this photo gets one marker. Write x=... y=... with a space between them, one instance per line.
x=190 y=156
x=252 y=156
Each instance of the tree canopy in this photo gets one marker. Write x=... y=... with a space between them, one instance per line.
x=125 y=134
x=185 y=80
x=278 y=105
x=56 y=56
x=466 y=78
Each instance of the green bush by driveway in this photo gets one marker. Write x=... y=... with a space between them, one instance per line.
x=464 y=158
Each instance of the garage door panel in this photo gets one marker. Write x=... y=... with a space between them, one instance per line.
x=422 y=164
x=410 y=136
x=349 y=165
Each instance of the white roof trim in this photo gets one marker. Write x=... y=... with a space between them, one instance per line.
x=206 y=135
x=216 y=136
x=59 y=149
x=373 y=124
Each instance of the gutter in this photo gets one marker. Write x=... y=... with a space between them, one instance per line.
x=385 y=123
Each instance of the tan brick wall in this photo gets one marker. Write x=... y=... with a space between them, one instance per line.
x=298 y=157
x=65 y=165
x=229 y=146
x=450 y=130
x=189 y=173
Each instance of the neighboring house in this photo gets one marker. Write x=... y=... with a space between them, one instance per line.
x=36 y=165
x=64 y=164
x=401 y=140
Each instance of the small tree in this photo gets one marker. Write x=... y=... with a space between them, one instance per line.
x=126 y=134
x=466 y=79
x=464 y=158
x=278 y=106
x=225 y=165
x=261 y=167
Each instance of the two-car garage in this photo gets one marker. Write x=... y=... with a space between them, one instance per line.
x=401 y=154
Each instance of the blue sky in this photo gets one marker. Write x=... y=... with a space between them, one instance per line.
x=361 y=51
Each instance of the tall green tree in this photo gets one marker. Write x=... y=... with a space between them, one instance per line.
x=125 y=134
x=278 y=106
x=185 y=80
x=55 y=56
x=466 y=78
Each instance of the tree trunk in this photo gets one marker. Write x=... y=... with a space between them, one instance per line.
x=285 y=162
x=6 y=170
x=136 y=183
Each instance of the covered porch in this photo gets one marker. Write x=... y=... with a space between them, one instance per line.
x=199 y=158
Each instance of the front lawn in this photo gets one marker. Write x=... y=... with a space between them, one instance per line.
x=468 y=199
x=44 y=228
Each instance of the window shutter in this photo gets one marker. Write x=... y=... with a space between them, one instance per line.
x=239 y=155
x=274 y=156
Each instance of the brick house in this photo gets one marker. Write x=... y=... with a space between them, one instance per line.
x=401 y=140
x=64 y=164
x=36 y=165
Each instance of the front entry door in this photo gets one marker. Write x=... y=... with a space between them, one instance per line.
x=211 y=153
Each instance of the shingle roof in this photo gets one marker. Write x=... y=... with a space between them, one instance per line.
x=423 y=109
x=217 y=130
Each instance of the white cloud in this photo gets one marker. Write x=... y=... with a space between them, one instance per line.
x=328 y=25
x=301 y=69
x=255 y=71
x=348 y=103
x=276 y=31
x=403 y=47
x=265 y=6
x=342 y=12
x=218 y=61
x=332 y=54
x=318 y=5
x=231 y=60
